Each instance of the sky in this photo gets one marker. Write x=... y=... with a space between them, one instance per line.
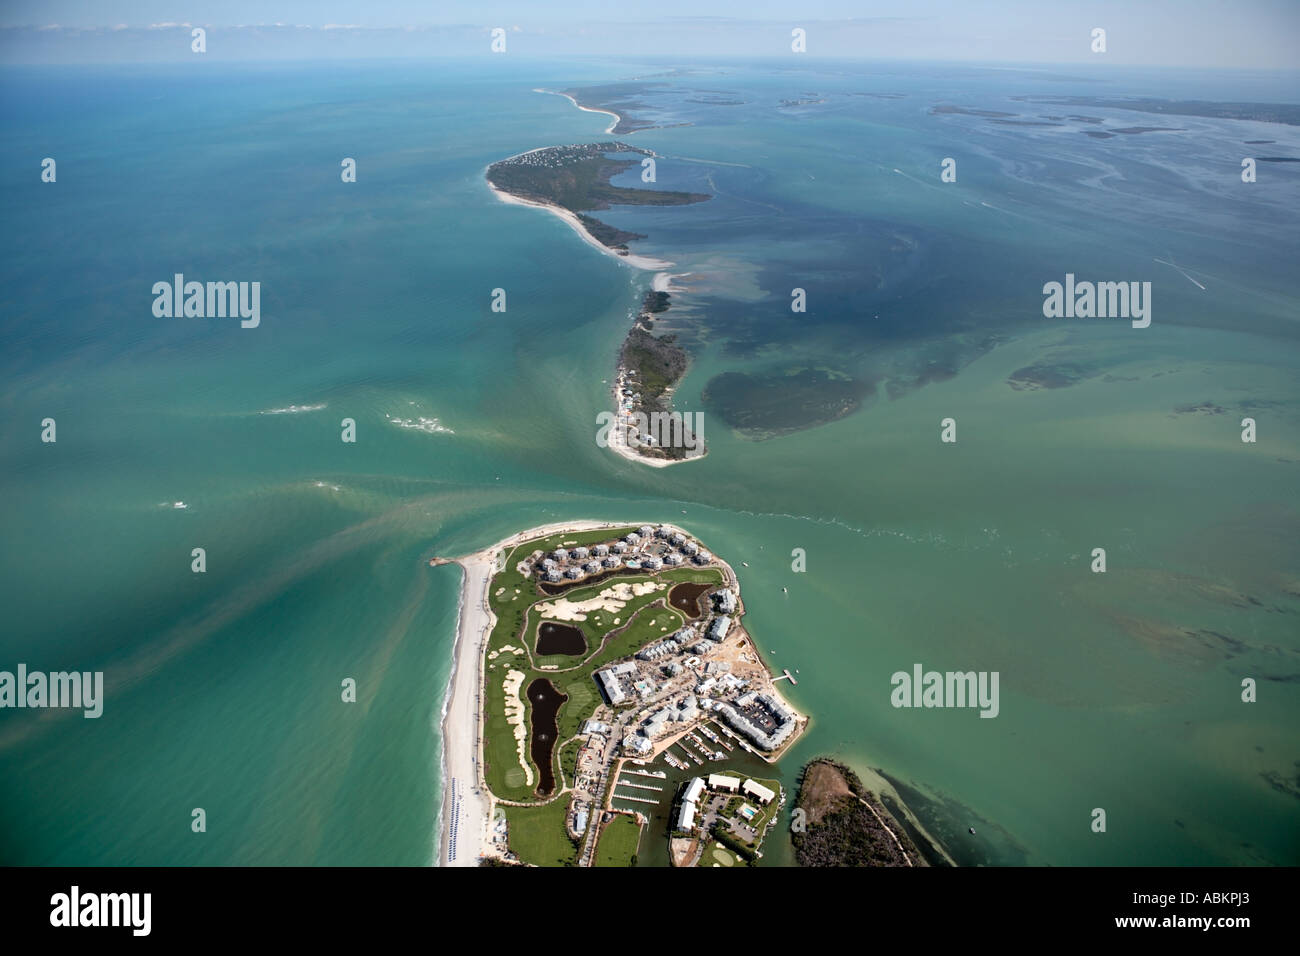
x=1250 y=34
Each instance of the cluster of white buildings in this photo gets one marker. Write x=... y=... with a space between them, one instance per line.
x=724 y=601
x=610 y=680
x=719 y=683
x=690 y=804
x=639 y=743
x=679 y=712
x=648 y=548
x=697 y=789
x=760 y=717
x=672 y=644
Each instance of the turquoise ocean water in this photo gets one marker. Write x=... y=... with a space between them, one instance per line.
x=1119 y=691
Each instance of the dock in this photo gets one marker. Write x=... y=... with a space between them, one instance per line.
x=639 y=786
x=619 y=796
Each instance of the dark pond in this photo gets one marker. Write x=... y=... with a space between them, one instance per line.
x=545 y=703
x=686 y=597
x=553 y=638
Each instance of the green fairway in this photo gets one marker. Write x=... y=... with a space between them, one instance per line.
x=538 y=836
x=639 y=624
x=618 y=842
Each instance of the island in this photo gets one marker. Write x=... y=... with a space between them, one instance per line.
x=607 y=705
x=618 y=100
x=571 y=181
x=837 y=821
x=576 y=179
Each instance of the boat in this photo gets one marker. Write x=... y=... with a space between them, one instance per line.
x=972 y=831
x=785 y=590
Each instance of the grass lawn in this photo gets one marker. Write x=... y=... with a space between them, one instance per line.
x=718 y=855
x=639 y=626
x=618 y=842
x=537 y=834
x=569 y=762
x=516 y=627
x=505 y=775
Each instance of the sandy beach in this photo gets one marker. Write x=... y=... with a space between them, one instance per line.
x=619 y=446
x=467 y=804
x=574 y=223
x=586 y=109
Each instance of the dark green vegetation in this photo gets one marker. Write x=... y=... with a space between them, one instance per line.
x=607 y=235
x=658 y=364
x=655 y=302
x=784 y=400
x=748 y=852
x=577 y=178
x=1049 y=375
x=841 y=829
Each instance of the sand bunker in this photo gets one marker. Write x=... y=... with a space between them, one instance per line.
x=611 y=599
x=514 y=708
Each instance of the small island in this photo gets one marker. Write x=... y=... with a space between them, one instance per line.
x=576 y=179
x=839 y=822
x=646 y=426
x=569 y=182
x=608 y=707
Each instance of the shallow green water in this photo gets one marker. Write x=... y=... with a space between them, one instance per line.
x=223 y=688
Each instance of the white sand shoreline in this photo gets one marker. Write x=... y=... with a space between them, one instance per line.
x=462 y=734
x=586 y=109
x=648 y=263
x=618 y=436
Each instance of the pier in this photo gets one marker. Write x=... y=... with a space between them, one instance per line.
x=619 y=796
